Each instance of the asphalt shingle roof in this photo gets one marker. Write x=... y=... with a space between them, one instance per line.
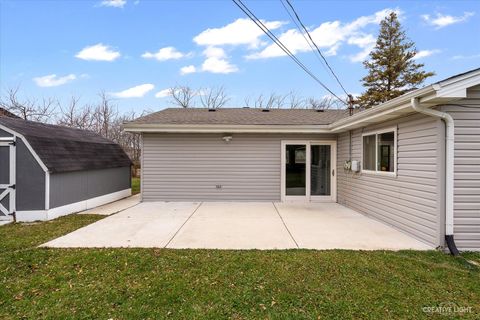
x=6 y=113
x=242 y=116
x=64 y=149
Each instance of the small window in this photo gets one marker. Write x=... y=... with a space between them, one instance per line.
x=379 y=151
x=386 y=144
x=369 y=152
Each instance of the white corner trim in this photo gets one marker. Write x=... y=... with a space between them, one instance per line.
x=42 y=215
x=47 y=190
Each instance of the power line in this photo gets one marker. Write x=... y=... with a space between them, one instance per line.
x=272 y=36
x=304 y=37
x=318 y=49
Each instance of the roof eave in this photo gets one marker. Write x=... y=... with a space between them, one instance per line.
x=442 y=92
x=184 y=128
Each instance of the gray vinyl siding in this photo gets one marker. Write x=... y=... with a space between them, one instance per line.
x=71 y=187
x=411 y=201
x=4 y=133
x=30 y=180
x=467 y=170
x=188 y=167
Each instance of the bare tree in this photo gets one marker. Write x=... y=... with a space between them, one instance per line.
x=29 y=109
x=324 y=103
x=272 y=101
x=295 y=101
x=129 y=141
x=182 y=96
x=246 y=102
x=76 y=116
x=213 y=98
x=103 y=115
x=259 y=102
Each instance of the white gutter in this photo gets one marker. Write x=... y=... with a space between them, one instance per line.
x=449 y=168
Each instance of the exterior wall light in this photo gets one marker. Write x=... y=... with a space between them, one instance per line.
x=227 y=138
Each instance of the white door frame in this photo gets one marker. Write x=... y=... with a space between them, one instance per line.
x=333 y=163
x=8 y=189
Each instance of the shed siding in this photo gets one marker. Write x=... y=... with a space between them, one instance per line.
x=4 y=133
x=411 y=201
x=188 y=167
x=467 y=170
x=30 y=180
x=71 y=187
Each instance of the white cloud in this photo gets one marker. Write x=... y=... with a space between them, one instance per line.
x=442 y=20
x=217 y=62
x=113 y=3
x=214 y=52
x=242 y=31
x=188 y=69
x=52 y=80
x=164 y=54
x=366 y=42
x=426 y=53
x=98 y=52
x=135 y=92
x=463 y=57
x=163 y=93
x=216 y=65
x=328 y=36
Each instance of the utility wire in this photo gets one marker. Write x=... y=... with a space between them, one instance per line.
x=304 y=36
x=272 y=36
x=318 y=49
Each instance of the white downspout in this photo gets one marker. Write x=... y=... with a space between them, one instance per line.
x=449 y=168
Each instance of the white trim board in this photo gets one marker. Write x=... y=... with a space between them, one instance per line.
x=42 y=215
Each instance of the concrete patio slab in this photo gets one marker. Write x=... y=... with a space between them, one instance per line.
x=239 y=225
x=234 y=226
x=151 y=224
x=114 y=207
x=333 y=226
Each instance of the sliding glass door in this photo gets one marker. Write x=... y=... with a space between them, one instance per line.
x=308 y=170
x=295 y=170
x=320 y=170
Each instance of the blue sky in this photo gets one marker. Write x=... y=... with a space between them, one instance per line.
x=136 y=49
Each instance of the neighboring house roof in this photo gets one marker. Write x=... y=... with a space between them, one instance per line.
x=63 y=149
x=6 y=113
x=242 y=116
x=233 y=120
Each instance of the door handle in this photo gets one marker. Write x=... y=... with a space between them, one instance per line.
x=333 y=172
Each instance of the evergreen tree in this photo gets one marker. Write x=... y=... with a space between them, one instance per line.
x=392 y=70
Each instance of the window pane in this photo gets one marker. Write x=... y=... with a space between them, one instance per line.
x=320 y=170
x=369 y=152
x=295 y=175
x=386 y=152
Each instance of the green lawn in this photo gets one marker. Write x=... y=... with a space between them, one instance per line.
x=38 y=283
x=135 y=185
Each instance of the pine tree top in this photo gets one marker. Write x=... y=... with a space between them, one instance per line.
x=391 y=66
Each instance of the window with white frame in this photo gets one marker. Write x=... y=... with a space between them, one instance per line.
x=379 y=151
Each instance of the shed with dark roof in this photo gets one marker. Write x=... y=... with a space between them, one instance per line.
x=48 y=171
